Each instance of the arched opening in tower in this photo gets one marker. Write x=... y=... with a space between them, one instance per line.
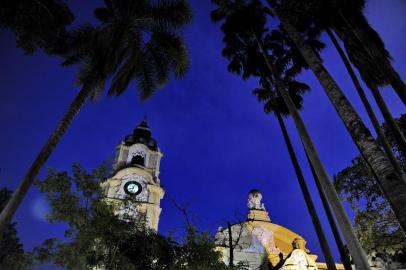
x=138 y=160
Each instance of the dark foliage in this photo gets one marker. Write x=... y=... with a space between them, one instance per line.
x=364 y=46
x=39 y=24
x=96 y=237
x=375 y=223
x=12 y=256
x=243 y=23
x=136 y=40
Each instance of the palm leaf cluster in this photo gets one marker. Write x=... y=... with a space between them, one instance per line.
x=136 y=40
x=39 y=24
x=241 y=49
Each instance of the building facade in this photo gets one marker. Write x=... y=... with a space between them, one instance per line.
x=136 y=173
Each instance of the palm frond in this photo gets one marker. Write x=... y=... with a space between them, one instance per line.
x=124 y=76
x=171 y=14
x=145 y=74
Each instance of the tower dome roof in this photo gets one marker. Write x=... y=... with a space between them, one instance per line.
x=143 y=130
x=142 y=134
x=254 y=191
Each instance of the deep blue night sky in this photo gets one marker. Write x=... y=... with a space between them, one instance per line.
x=217 y=142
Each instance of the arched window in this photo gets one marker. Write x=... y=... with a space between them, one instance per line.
x=139 y=160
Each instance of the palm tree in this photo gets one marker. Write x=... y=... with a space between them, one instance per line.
x=274 y=103
x=381 y=65
x=136 y=40
x=39 y=24
x=266 y=95
x=247 y=60
x=391 y=182
x=336 y=233
x=356 y=251
x=381 y=136
x=363 y=45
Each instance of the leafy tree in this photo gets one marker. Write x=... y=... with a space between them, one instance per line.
x=375 y=224
x=198 y=253
x=135 y=40
x=12 y=256
x=39 y=24
x=96 y=237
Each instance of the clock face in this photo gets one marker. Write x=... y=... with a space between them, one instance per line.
x=133 y=185
x=132 y=188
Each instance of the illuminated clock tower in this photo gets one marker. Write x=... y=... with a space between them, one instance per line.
x=136 y=173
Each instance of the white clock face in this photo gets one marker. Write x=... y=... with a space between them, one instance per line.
x=132 y=188
x=133 y=185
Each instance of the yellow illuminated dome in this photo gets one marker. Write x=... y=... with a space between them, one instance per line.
x=258 y=242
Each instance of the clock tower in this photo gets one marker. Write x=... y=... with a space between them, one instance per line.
x=136 y=173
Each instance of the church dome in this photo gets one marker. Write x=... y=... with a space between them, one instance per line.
x=142 y=134
x=258 y=240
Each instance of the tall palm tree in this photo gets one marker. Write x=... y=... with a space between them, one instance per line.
x=364 y=45
x=356 y=251
x=365 y=48
x=136 y=40
x=381 y=66
x=247 y=60
x=336 y=233
x=274 y=103
x=266 y=95
x=391 y=182
x=381 y=136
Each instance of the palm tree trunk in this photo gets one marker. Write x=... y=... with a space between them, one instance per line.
x=307 y=197
x=393 y=126
x=395 y=80
x=360 y=260
x=385 y=143
x=392 y=184
x=18 y=194
x=397 y=84
x=340 y=245
x=400 y=90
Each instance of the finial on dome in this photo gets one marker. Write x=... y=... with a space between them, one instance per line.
x=254 y=200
